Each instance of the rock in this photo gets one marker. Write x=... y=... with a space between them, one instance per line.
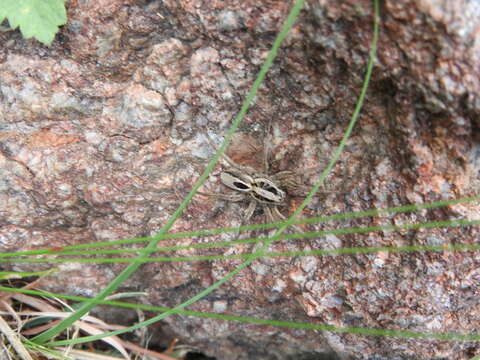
x=103 y=134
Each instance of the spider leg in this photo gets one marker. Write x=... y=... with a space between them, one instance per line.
x=250 y=209
x=230 y=162
x=275 y=215
x=266 y=153
x=286 y=179
x=268 y=213
x=241 y=168
x=267 y=147
x=283 y=176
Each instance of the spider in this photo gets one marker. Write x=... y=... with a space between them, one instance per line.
x=257 y=187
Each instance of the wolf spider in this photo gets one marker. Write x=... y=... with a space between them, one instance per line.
x=257 y=186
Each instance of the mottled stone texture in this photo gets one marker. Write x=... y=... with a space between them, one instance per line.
x=104 y=132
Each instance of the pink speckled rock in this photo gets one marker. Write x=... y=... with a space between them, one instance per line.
x=103 y=133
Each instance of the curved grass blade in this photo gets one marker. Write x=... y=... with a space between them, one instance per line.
x=361 y=331
x=291 y=17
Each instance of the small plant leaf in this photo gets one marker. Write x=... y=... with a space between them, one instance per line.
x=36 y=18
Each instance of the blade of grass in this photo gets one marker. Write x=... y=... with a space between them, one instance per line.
x=291 y=17
x=344 y=231
x=127 y=272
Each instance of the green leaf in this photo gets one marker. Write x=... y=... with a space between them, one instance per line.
x=36 y=18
